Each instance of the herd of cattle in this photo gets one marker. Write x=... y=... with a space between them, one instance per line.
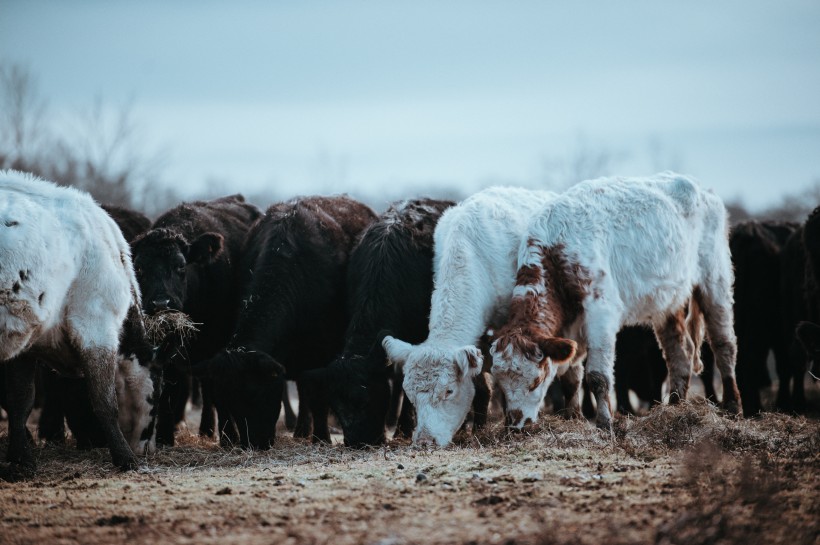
x=614 y=283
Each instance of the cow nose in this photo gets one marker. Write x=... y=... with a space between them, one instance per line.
x=424 y=441
x=513 y=419
x=160 y=304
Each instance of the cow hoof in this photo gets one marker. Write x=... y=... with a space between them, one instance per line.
x=733 y=408
x=301 y=433
x=13 y=472
x=604 y=425
x=126 y=463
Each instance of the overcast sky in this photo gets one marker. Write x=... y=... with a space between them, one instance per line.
x=375 y=96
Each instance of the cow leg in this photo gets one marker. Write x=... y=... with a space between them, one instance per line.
x=228 y=432
x=175 y=390
x=716 y=304
x=207 y=420
x=600 y=367
x=751 y=362
x=587 y=406
x=571 y=387
x=20 y=400
x=785 y=370
x=481 y=400
x=290 y=415
x=99 y=366
x=678 y=351
x=319 y=409
x=622 y=365
x=798 y=388
x=303 y=423
x=407 y=419
x=395 y=401
x=51 y=426
x=708 y=373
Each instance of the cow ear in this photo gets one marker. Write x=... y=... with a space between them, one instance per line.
x=557 y=349
x=206 y=248
x=397 y=351
x=468 y=361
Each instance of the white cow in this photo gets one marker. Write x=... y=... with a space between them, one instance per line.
x=608 y=253
x=475 y=245
x=69 y=297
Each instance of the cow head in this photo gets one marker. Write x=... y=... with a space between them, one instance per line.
x=163 y=260
x=248 y=386
x=138 y=385
x=439 y=383
x=359 y=395
x=524 y=365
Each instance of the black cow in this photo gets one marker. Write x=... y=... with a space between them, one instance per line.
x=800 y=289
x=188 y=261
x=65 y=399
x=389 y=284
x=294 y=265
x=131 y=222
x=756 y=251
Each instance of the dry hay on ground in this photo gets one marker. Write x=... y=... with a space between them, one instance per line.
x=683 y=474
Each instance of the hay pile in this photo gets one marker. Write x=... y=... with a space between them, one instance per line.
x=162 y=325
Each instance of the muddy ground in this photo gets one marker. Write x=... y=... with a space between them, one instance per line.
x=683 y=474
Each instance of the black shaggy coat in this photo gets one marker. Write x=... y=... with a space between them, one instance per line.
x=800 y=301
x=389 y=285
x=188 y=261
x=294 y=264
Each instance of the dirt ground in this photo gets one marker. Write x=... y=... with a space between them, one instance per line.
x=683 y=474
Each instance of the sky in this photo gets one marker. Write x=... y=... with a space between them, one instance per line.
x=384 y=98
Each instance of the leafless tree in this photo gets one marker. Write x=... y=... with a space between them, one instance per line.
x=22 y=111
x=587 y=161
x=97 y=150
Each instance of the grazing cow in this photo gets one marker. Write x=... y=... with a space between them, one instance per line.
x=800 y=290
x=473 y=278
x=69 y=298
x=389 y=282
x=608 y=253
x=188 y=262
x=293 y=264
x=756 y=252
x=65 y=399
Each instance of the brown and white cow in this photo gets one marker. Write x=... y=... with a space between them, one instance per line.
x=608 y=253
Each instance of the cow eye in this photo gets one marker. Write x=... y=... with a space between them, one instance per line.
x=181 y=270
x=449 y=392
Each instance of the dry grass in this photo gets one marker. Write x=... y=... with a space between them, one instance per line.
x=161 y=325
x=683 y=473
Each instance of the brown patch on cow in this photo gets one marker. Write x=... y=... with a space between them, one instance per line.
x=540 y=316
x=528 y=275
x=537 y=382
